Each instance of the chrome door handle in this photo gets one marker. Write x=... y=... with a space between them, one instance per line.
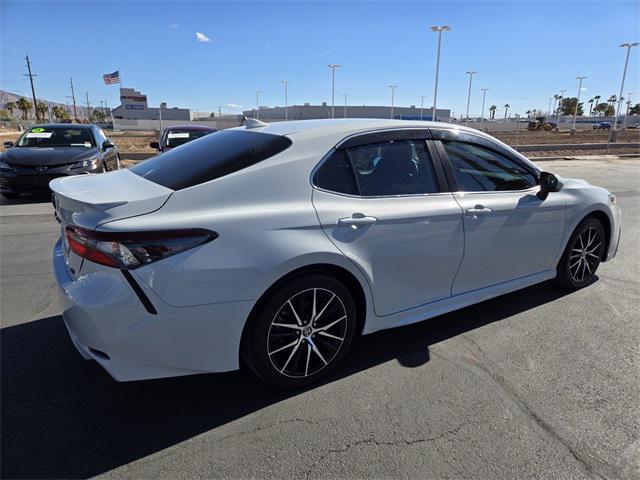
x=358 y=219
x=478 y=210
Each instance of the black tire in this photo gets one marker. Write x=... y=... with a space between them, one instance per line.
x=321 y=345
x=582 y=255
x=11 y=195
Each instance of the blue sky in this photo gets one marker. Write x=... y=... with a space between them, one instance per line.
x=524 y=51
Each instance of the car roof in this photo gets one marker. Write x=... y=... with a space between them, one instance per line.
x=190 y=127
x=65 y=125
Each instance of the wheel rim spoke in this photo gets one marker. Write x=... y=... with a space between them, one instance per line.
x=584 y=255
x=293 y=352
x=325 y=334
x=327 y=327
x=306 y=367
x=295 y=314
x=317 y=352
x=317 y=317
x=289 y=345
x=287 y=325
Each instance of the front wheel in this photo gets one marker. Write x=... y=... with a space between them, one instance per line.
x=582 y=256
x=302 y=332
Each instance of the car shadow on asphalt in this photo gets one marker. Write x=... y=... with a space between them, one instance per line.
x=64 y=417
x=26 y=199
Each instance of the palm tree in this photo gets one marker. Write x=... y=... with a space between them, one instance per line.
x=11 y=106
x=590 y=105
x=24 y=106
x=596 y=98
x=59 y=112
x=506 y=109
x=42 y=108
x=492 y=112
x=612 y=100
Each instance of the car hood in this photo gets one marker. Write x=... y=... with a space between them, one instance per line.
x=48 y=156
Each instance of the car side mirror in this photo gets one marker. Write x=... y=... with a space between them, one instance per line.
x=7 y=144
x=106 y=145
x=155 y=145
x=548 y=183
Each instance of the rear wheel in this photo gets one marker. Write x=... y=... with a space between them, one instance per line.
x=302 y=332
x=582 y=256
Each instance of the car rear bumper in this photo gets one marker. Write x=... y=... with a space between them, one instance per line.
x=108 y=323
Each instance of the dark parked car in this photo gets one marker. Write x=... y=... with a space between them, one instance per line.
x=178 y=135
x=602 y=126
x=45 y=152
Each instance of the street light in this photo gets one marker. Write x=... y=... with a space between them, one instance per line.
x=257 y=92
x=333 y=67
x=484 y=94
x=421 y=105
x=438 y=29
x=559 y=105
x=575 y=111
x=471 y=73
x=286 y=105
x=345 y=104
x=393 y=89
x=628 y=46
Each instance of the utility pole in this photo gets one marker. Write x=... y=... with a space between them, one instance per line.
x=393 y=90
x=421 y=105
x=73 y=99
x=484 y=94
x=257 y=92
x=88 y=106
x=33 y=90
x=219 y=111
x=286 y=99
x=345 y=104
x=333 y=67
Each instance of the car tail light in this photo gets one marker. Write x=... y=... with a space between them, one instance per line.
x=129 y=250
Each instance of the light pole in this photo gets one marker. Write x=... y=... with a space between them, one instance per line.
x=438 y=29
x=333 y=67
x=421 y=105
x=575 y=111
x=286 y=106
x=393 y=89
x=257 y=104
x=484 y=94
x=471 y=73
x=549 y=109
x=628 y=46
x=559 y=105
x=345 y=95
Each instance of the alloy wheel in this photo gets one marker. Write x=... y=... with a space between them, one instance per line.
x=307 y=332
x=585 y=254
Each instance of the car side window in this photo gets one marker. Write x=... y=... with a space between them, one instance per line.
x=397 y=167
x=478 y=168
x=336 y=174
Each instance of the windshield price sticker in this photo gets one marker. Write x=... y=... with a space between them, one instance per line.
x=33 y=134
x=178 y=135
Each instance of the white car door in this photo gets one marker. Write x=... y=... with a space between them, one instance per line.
x=510 y=232
x=385 y=206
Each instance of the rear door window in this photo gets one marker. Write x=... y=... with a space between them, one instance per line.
x=210 y=157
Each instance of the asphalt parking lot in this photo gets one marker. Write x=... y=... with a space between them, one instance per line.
x=537 y=383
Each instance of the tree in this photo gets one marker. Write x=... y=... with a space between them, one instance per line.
x=590 y=106
x=612 y=99
x=42 y=109
x=59 y=112
x=492 y=112
x=568 y=106
x=24 y=106
x=11 y=106
x=604 y=109
x=99 y=115
x=506 y=109
x=635 y=110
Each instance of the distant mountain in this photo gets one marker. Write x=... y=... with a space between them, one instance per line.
x=6 y=97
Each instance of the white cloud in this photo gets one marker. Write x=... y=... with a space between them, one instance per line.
x=173 y=26
x=201 y=37
x=234 y=106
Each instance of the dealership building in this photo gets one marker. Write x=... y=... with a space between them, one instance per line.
x=133 y=106
x=308 y=112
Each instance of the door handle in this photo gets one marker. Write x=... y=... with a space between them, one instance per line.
x=356 y=220
x=478 y=210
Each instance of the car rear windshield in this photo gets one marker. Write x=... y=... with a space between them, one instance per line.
x=175 y=138
x=47 y=137
x=210 y=157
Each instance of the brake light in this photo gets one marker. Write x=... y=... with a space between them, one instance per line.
x=129 y=250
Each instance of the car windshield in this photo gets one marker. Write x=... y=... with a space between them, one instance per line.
x=47 y=137
x=175 y=138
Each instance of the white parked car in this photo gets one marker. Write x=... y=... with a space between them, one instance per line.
x=275 y=245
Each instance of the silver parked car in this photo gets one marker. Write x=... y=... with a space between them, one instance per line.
x=277 y=244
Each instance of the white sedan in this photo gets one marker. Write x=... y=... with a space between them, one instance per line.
x=275 y=245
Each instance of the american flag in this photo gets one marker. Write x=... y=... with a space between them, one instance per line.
x=110 y=78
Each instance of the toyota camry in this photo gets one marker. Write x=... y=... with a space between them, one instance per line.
x=274 y=245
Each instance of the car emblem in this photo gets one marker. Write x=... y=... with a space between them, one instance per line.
x=42 y=168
